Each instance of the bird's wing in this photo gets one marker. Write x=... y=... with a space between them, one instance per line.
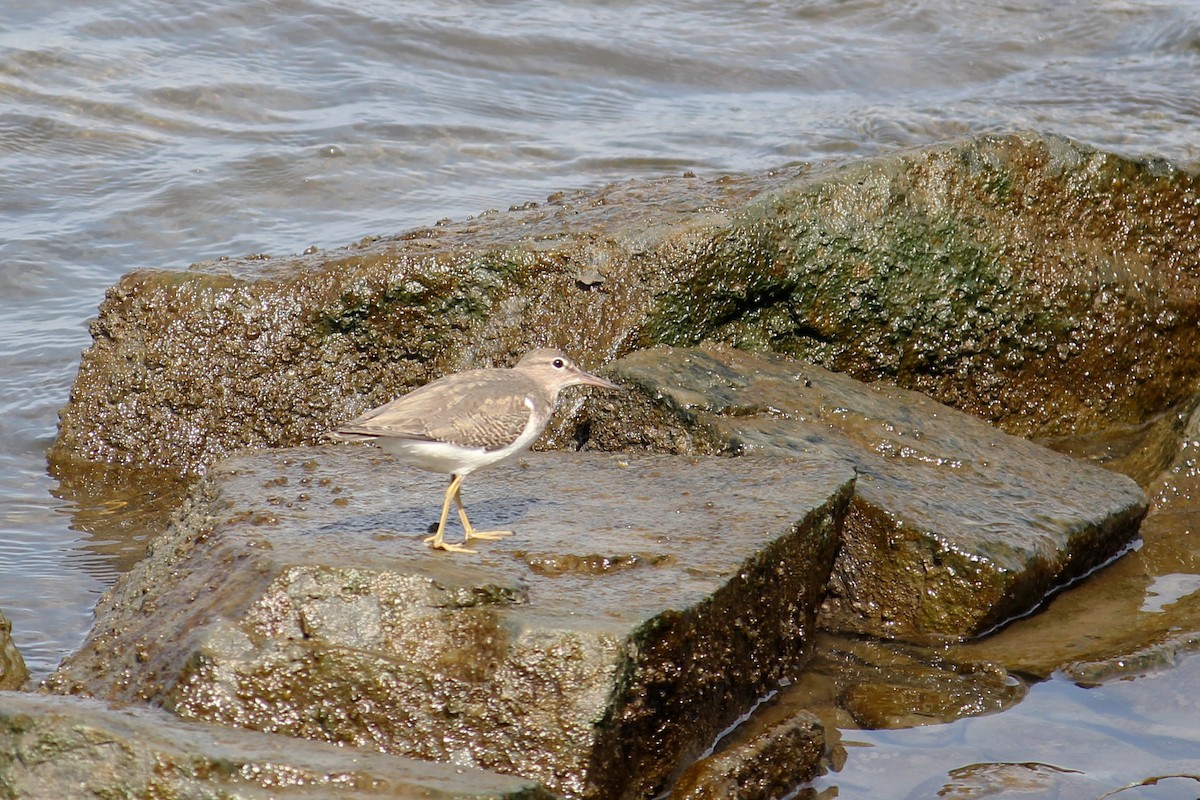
x=467 y=408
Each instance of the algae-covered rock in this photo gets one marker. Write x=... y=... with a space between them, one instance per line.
x=72 y=747
x=1045 y=286
x=644 y=603
x=955 y=526
x=13 y=673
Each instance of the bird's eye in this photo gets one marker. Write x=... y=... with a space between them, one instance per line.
x=558 y=363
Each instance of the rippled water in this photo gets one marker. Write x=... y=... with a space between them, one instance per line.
x=153 y=133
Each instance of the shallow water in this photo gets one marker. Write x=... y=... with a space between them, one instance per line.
x=149 y=133
x=1061 y=741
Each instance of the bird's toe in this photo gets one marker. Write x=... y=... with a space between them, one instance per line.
x=493 y=535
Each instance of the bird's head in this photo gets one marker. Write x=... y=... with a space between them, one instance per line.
x=555 y=369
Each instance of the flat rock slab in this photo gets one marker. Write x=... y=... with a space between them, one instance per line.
x=643 y=604
x=955 y=527
x=73 y=747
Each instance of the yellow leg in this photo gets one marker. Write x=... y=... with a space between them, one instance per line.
x=468 y=527
x=437 y=541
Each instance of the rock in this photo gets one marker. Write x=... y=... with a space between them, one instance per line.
x=259 y=352
x=955 y=527
x=1042 y=285
x=856 y=682
x=1141 y=451
x=984 y=780
x=13 y=673
x=76 y=747
x=769 y=766
x=1135 y=664
x=908 y=695
x=1160 y=596
x=643 y=604
x=1046 y=287
x=1138 y=614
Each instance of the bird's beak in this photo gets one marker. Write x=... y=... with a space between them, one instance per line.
x=596 y=380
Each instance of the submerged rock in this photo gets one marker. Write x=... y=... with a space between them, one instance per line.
x=73 y=747
x=644 y=603
x=768 y=766
x=1145 y=660
x=881 y=685
x=13 y=673
x=983 y=780
x=955 y=527
x=860 y=682
x=1042 y=285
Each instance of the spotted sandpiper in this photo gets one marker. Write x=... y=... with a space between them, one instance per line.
x=469 y=420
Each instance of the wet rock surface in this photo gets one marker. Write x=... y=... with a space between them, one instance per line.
x=1030 y=779
x=1153 y=591
x=74 y=747
x=955 y=527
x=768 y=766
x=1039 y=284
x=643 y=604
x=855 y=682
x=1137 y=663
x=1043 y=286
x=187 y=366
x=891 y=685
x=13 y=673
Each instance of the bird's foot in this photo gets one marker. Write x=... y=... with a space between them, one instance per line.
x=492 y=535
x=437 y=544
